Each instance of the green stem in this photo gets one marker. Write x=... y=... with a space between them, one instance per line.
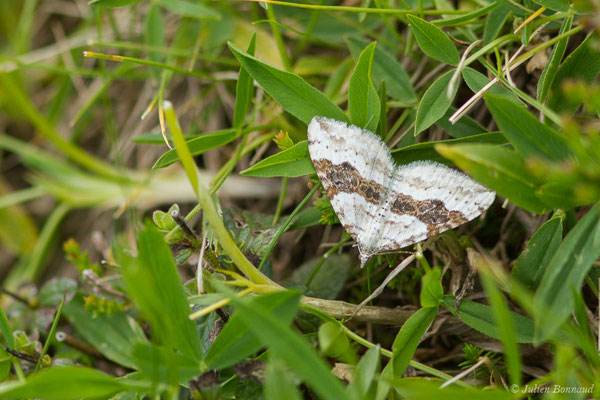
x=364 y=342
x=421 y=257
x=279 y=208
x=51 y=332
x=208 y=207
x=388 y=11
x=18 y=369
x=149 y=63
x=219 y=179
x=286 y=224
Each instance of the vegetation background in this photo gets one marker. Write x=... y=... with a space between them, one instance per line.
x=218 y=269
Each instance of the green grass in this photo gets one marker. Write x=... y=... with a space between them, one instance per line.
x=114 y=112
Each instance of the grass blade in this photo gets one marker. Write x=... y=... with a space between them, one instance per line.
x=291 y=348
x=292 y=162
x=566 y=272
x=409 y=336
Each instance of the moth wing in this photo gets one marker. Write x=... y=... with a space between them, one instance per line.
x=354 y=166
x=428 y=198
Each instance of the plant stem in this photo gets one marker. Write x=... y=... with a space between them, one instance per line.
x=286 y=224
x=208 y=207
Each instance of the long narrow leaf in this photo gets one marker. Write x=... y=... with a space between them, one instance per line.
x=408 y=338
x=525 y=132
x=154 y=285
x=500 y=169
x=244 y=91
x=292 y=348
x=566 y=272
x=292 y=92
x=363 y=101
x=291 y=162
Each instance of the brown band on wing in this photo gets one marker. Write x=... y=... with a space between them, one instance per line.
x=345 y=178
x=431 y=212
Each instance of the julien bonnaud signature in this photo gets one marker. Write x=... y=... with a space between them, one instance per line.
x=551 y=389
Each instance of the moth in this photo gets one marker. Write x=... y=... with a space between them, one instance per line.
x=383 y=206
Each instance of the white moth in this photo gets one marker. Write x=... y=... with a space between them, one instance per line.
x=383 y=206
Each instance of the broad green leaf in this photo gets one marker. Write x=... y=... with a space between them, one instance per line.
x=160 y=364
x=426 y=150
x=498 y=168
x=363 y=102
x=532 y=262
x=189 y=9
x=475 y=80
x=236 y=341
x=154 y=286
x=332 y=339
x=111 y=3
x=112 y=334
x=385 y=68
x=494 y=23
x=244 y=91
x=466 y=126
x=292 y=92
x=558 y=51
x=431 y=288
x=329 y=280
x=566 y=272
x=433 y=41
x=197 y=146
x=6 y=331
x=69 y=382
x=526 y=133
x=364 y=374
x=583 y=65
x=427 y=389
x=278 y=383
x=292 y=162
x=409 y=336
x=555 y=5
x=290 y=347
x=504 y=322
x=480 y=317
x=434 y=103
